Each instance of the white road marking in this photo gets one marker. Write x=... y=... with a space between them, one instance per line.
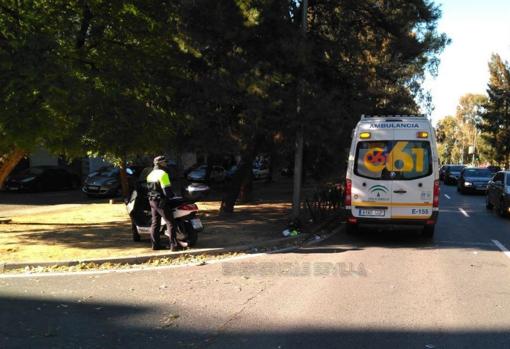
x=447 y=196
x=502 y=248
x=464 y=243
x=463 y=212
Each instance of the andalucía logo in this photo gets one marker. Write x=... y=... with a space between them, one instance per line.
x=378 y=189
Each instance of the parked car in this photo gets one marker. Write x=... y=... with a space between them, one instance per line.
x=218 y=174
x=442 y=170
x=498 y=193
x=473 y=179
x=105 y=182
x=287 y=171
x=261 y=171
x=230 y=173
x=452 y=173
x=493 y=168
x=43 y=178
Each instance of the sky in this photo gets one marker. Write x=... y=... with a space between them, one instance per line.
x=477 y=28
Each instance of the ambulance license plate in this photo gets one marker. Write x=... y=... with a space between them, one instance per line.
x=371 y=212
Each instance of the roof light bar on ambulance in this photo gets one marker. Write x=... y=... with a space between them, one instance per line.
x=365 y=135
x=422 y=134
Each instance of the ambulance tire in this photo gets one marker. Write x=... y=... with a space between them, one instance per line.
x=351 y=228
x=428 y=231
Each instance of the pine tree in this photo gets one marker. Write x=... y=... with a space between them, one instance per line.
x=496 y=119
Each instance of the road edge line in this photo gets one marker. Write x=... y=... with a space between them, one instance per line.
x=502 y=247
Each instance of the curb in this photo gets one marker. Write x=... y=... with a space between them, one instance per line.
x=253 y=247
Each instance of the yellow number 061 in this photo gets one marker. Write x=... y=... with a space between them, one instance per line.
x=399 y=160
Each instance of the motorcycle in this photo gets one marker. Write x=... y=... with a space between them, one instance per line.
x=183 y=208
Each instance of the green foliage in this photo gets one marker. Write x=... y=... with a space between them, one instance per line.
x=35 y=77
x=120 y=78
x=496 y=119
x=455 y=134
x=356 y=57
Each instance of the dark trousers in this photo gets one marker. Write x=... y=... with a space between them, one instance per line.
x=158 y=212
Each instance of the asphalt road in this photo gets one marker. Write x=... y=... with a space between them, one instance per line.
x=372 y=290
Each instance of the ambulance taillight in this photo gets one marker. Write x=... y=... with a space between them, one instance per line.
x=435 y=202
x=348 y=192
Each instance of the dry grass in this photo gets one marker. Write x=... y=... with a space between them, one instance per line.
x=88 y=231
x=103 y=230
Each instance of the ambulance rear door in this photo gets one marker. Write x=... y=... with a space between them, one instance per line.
x=371 y=185
x=410 y=163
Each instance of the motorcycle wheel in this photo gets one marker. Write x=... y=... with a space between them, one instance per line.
x=134 y=230
x=185 y=233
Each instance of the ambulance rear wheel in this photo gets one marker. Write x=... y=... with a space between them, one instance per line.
x=428 y=231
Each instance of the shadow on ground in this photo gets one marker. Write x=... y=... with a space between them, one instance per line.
x=46 y=198
x=59 y=323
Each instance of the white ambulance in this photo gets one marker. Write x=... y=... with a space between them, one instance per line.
x=393 y=173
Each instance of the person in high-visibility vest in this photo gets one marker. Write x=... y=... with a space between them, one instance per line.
x=160 y=190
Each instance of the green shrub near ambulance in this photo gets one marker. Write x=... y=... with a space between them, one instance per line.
x=393 y=174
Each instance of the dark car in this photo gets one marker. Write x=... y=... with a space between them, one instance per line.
x=452 y=173
x=231 y=172
x=473 y=179
x=199 y=174
x=493 y=168
x=442 y=170
x=43 y=178
x=498 y=193
x=105 y=182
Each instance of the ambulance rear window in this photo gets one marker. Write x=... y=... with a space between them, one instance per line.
x=393 y=160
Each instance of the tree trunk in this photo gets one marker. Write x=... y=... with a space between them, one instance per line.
x=246 y=190
x=9 y=163
x=124 y=180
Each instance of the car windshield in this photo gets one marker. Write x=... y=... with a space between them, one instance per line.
x=397 y=160
x=455 y=168
x=106 y=172
x=477 y=172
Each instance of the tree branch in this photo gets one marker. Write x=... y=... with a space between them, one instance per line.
x=85 y=24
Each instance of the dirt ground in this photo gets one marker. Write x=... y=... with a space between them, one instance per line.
x=102 y=230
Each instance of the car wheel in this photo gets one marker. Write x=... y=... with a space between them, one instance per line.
x=39 y=187
x=502 y=209
x=428 y=231
x=118 y=192
x=74 y=184
x=488 y=204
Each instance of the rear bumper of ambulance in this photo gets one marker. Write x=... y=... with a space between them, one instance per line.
x=385 y=222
